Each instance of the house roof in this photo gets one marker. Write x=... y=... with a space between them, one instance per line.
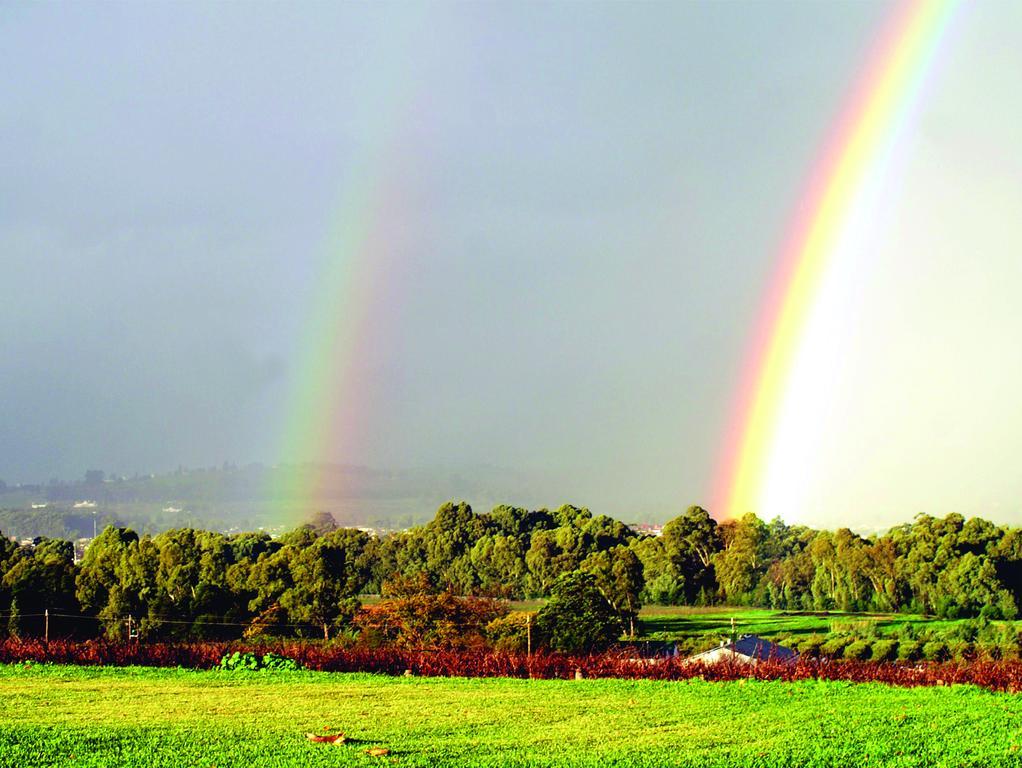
x=752 y=647
x=760 y=649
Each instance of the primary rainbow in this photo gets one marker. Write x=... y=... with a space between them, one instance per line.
x=325 y=404
x=856 y=154
x=330 y=399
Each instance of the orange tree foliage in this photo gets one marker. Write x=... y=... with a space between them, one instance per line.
x=413 y=615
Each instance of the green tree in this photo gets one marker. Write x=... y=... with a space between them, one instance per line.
x=740 y=563
x=326 y=578
x=619 y=577
x=577 y=618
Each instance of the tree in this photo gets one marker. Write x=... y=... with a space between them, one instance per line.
x=38 y=578
x=618 y=576
x=414 y=614
x=740 y=564
x=326 y=578
x=690 y=543
x=664 y=583
x=577 y=618
x=100 y=583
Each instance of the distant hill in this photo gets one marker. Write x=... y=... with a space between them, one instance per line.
x=244 y=498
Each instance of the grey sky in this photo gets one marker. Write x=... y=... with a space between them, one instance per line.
x=593 y=197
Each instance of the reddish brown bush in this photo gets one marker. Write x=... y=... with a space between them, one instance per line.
x=994 y=675
x=426 y=620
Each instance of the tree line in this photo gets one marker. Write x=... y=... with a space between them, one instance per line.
x=189 y=583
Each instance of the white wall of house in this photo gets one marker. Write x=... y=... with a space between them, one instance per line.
x=714 y=655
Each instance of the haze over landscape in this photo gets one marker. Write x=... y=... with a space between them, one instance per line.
x=565 y=220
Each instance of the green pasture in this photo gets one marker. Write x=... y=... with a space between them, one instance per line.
x=660 y=622
x=81 y=716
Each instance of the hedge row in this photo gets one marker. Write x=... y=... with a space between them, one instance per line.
x=994 y=675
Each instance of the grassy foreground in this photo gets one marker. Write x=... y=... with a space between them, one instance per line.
x=58 y=715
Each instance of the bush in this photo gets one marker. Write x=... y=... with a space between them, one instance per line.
x=961 y=650
x=859 y=650
x=511 y=632
x=428 y=619
x=249 y=662
x=909 y=650
x=1008 y=642
x=810 y=646
x=935 y=650
x=998 y=676
x=835 y=646
x=884 y=650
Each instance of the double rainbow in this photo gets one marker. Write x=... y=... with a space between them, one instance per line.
x=858 y=152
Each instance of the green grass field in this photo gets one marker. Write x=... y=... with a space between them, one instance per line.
x=74 y=716
x=662 y=622
x=683 y=622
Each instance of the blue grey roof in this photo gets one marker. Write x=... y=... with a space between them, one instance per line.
x=760 y=649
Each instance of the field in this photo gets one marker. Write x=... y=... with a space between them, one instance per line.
x=662 y=622
x=59 y=715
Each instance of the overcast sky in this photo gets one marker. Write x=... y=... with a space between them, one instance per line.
x=592 y=198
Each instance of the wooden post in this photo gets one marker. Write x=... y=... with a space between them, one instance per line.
x=46 y=630
x=326 y=631
x=528 y=635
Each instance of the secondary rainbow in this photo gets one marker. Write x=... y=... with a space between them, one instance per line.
x=857 y=152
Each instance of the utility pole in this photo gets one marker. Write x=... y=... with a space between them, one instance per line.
x=528 y=635
x=46 y=624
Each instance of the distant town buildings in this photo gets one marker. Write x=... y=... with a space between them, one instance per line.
x=648 y=529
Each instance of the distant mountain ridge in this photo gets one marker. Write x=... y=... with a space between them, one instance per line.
x=254 y=496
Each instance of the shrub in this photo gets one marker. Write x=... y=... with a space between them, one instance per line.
x=835 y=646
x=250 y=662
x=859 y=650
x=428 y=620
x=987 y=652
x=909 y=650
x=239 y=661
x=810 y=646
x=998 y=676
x=961 y=650
x=885 y=649
x=511 y=632
x=1008 y=642
x=271 y=622
x=935 y=650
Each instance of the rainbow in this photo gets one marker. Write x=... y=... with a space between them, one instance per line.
x=349 y=317
x=353 y=277
x=856 y=156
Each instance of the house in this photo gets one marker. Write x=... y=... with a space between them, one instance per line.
x=747 y=649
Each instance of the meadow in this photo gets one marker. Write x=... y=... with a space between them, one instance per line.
x=668 y=622
x=73 y=716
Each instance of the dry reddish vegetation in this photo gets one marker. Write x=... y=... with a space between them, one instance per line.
x=994 y=675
